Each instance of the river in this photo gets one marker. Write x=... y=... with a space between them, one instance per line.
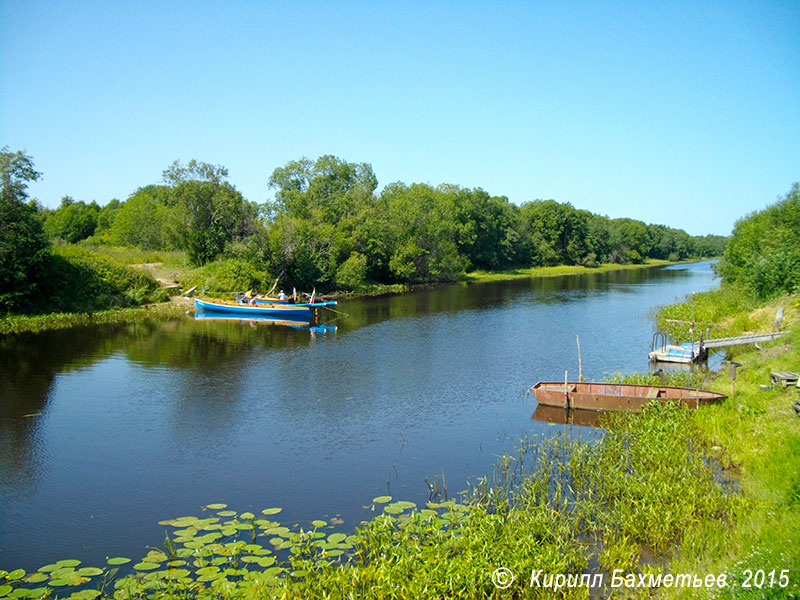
x=104 y=431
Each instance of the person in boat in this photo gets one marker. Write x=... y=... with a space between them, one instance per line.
x=281 y=295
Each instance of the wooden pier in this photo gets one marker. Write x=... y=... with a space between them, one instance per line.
x=754 y=338
x=689 y=353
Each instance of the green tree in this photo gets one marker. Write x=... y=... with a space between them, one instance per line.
x=105 y=218
x=327 y=191
x=319 y=218
x=763 y=253
x=546 y=231
x=143 y=220
x=423 y=234
x=209 y=212
x=24 y=248
x=486 y=235
x=72 y=221
x=629 y=241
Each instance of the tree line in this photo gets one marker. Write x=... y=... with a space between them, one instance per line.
x=329 y=228
x=763 y=255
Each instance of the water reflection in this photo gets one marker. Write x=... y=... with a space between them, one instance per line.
x=565 y=416
x=148 y=421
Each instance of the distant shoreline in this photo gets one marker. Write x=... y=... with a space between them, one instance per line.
x=17 y=324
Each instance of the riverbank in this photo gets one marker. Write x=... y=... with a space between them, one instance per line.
x=487 y=276
x=754 y=436
x=559 y=270
x=15 y=324
x=173 y=276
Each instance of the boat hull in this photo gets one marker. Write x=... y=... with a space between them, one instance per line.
x=617 y=397
x=294 y=312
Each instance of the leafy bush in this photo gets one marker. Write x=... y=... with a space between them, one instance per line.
x=72 y=221
x=229 y=275
x=763 y=254
x=353 y=272
x=79 y=280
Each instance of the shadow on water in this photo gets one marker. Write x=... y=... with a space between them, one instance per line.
x=114 y=428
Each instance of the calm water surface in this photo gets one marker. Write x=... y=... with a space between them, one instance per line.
x=105 y=431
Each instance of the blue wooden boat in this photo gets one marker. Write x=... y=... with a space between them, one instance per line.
x=296 y=312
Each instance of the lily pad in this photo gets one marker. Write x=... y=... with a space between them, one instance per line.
x=155 y=556
x=118 y=560
x=75 y=579
x=271 y=511
x=247 y=515
x=145 y=566
x=48 y=568
x=188 y=532
x=176 y=573
x=216 y=506
x=318 y=523
x=85 y=595
x=36 y=578
x=16 y=574
x=62 y=572
x=227 y=513
x=5 y=590
x=336 y=538
x=176 y=563
x=69 y=562
x=382 y=499
x=90 y=571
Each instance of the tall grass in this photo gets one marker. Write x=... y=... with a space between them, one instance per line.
x=129 y=255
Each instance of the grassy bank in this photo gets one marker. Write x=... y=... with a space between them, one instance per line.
x=560 y=270
x=754 y=436
x=218 y=279
x=15 y=324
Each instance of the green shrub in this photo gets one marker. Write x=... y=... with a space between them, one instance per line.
x=79 y=280
x=763 y=254
x=352 y=273
x=229 y=275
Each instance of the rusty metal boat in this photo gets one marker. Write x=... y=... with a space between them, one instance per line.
x=617 y=396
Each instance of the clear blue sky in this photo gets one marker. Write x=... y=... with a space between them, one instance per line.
x=682 y=113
